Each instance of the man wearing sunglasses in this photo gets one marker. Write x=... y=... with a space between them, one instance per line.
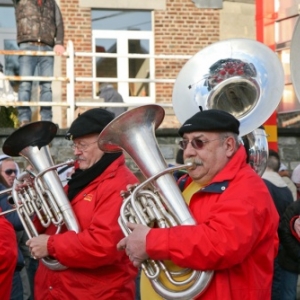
x=236 y=231
x=95 y=269
x=10 y=279
x=9 y=170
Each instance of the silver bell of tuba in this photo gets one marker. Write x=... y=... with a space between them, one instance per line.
x=158 y=199
x=42 y=194
x=241 y=76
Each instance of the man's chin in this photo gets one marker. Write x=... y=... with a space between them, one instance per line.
x=196 y=174
x=195 y=171
x=81 y=165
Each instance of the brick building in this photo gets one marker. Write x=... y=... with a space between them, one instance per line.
x=174 y=28
x=155 y=28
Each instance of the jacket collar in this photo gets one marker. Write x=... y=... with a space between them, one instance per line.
x=221 y=181
x=237 y=162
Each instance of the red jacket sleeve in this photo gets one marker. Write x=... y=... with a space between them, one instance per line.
x=228 y=234
x=8 y=257
x=95 y=245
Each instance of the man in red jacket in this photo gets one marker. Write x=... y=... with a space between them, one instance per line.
x=95 y=269
x=236 y=231
x=8 y=257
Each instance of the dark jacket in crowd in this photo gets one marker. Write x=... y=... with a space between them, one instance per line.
x=289 y=254
x=281 y=194
x=109 y=94
x=39 y=23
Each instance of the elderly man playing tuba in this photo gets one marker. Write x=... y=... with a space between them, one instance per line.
x=236 y=231
x=95 y=269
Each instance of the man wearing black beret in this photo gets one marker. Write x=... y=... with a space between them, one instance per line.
x=236 y=231
x=95 y=269
x=91 y=121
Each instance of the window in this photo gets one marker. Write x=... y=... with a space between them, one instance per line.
x=121 y=20
x=124 y=33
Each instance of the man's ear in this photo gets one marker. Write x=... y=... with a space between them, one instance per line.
x=230 y=146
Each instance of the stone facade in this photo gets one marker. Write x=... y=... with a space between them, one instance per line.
x=168 y=145
x=61 y=151
x=289 y=149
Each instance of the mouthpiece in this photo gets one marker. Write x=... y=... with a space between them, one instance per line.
x=192 y=164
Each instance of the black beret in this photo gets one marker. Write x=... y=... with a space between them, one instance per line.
x=91 y=121
x=210 y=120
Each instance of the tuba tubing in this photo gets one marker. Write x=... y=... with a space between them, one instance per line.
x=133 y=131
x=45 y=197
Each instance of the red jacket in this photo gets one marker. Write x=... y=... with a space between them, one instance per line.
x=236 y=236
x=8 y=257
x=96 y=270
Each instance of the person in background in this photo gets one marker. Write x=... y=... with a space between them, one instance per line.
x=296 y=179
x=282 y=198
x=285 y=174
x=110 y=94
x=95 y=269
x=39 y=28
x=236 y=231
x=8 y=172
x=283 y=170
x=289 y=252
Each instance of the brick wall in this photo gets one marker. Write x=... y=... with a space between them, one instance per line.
x=78 y=28
x=61 y=151
x=181 y=29
x=289 y=149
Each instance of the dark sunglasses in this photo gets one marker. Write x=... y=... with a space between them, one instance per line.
x=196 y=143
x=10 y=171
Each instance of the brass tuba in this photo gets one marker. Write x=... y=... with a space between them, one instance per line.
x=42 y=194
x=134 y=131
x=241 y=76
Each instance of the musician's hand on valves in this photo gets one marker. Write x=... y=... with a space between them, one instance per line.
x=25 y=181
x=135 y=244
x=38 y=246
x=297 y=226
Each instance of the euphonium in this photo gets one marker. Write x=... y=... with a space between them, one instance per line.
x=41 y=194
x=158 y=199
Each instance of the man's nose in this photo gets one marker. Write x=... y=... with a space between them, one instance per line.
x=189 y=150
x=76 y=151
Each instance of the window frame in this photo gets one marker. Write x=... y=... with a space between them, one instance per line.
x=122 y=78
